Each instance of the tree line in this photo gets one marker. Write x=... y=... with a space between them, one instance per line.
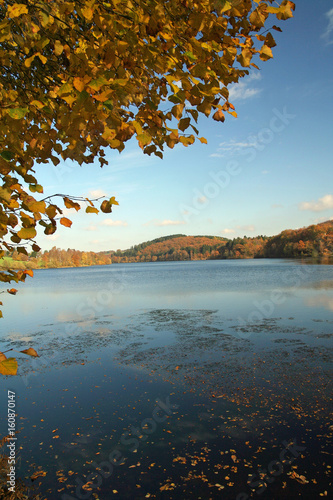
x=315 y=241
x=54 y=258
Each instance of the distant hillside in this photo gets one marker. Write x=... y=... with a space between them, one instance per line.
x=175 y=247
x=312 y=241
x=315 y=241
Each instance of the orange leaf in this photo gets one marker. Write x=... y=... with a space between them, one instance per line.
x=12 y=291
x=65 y=222
x=219 y=116
x=30 y=352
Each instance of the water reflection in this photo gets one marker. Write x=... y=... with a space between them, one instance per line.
x=173 y=330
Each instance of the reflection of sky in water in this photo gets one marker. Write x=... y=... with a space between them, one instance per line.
x=321 y=301
x=232 y=287
x=113 y=339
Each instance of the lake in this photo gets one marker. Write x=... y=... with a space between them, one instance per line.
x=173 y=380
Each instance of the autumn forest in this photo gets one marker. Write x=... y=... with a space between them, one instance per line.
x=315 y=241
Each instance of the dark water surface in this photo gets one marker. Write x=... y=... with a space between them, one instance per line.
x=178 y=380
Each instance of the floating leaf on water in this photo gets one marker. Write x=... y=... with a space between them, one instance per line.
x=30 y=352
x=8 y=367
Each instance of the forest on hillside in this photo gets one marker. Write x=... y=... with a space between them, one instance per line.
x=315 y=241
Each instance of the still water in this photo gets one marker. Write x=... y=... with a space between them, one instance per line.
x=175 y=380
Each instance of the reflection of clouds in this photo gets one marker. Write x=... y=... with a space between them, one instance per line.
x=69 y=317
x=321 y=301
x=103 y=331
x=320 y=285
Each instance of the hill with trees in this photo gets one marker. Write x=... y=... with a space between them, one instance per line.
x=315 y=241
x=312 y=241
x=175 y=247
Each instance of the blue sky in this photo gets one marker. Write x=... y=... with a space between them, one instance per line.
x=265 y=171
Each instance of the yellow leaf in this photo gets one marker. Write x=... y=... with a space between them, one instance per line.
x=71 y=204
x=205 y=107
x=92 y=210
x=265 y=53
x=17 y=113
x=203 y=140
x=8 y=367
x=16 y=10
x=177 y=111
x=42 y=58
x=38 y=105
x=259 y=16
x=285 y=11
x=143 y=139
x=88 y=13
x=28 y=61
x=58 y=48
x=78 y=83
x=51 y=211
x=245 y=57
x=113 y=201
x=26 y=233
x=2 y=356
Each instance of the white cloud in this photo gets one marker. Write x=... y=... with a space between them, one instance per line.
x=96 y=193
x=169 y=223
x=242 y=89
x=324 y=203
x=165 y=222
x=322 y=219
x=230 y=148
x=129 y=160
x=321 y=301
x=111 y=222
x=237 y=229
x=327 y=35
x=250 y=227
x=91 y=228
x=53 y=237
